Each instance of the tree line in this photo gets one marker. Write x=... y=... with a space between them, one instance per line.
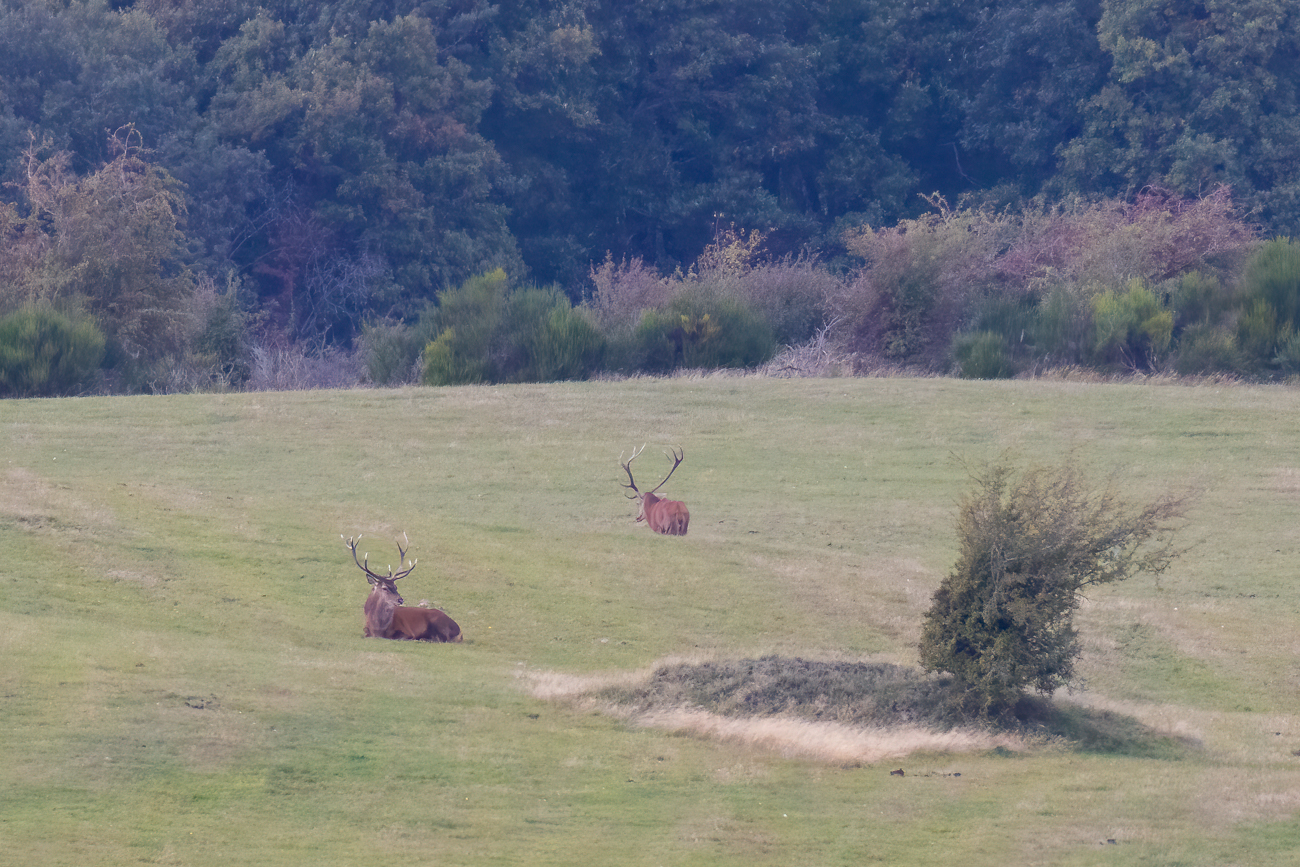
x=195 y=177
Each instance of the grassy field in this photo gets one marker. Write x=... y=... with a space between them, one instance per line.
x=184 y=679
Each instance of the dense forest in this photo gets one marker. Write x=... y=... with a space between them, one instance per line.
x=467 y=190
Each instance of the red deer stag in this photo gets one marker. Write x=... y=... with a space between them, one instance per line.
x=385 y=615
x=662 y=515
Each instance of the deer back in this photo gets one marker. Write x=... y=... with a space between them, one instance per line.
x=424 y=624
x=669 y=517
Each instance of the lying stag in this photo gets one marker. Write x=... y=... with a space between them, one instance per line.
x=385 y=615
x=660 y=514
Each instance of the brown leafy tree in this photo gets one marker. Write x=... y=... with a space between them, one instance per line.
x=113 y=243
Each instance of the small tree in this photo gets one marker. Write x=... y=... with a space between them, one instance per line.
x=44 y=352
x=1031 y=542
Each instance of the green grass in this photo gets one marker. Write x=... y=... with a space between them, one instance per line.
x=184 y=680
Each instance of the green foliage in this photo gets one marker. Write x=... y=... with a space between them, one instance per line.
x=1273 y=277
x=1208 y=348
x=489 y=332
x=1270 y=299
x=221 y=345
x=1131 y=329
x=349 y=159
x=694 y=331
x=921 y=278
x=1196 y=95
x=1198 y=297
x=1287 y=358
x=391 y=352
x=564 y=345
x=1060 y=329
x=1030 y=542
x=1259 y=332
x=451 y=360
x=983 y=355
x=44 y=352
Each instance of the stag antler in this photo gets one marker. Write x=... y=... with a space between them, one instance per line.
x=677 y=460
x=627 y=467
x=678 y=456
x=364 y=564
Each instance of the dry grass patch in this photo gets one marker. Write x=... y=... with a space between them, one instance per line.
x=36 y=503
x=845 y=711
x=833 y=711
x=792 y=737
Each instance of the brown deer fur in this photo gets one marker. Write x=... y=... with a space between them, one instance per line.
x=387 y=617
x=669 y=517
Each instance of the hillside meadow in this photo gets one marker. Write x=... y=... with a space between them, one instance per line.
x=184 y=679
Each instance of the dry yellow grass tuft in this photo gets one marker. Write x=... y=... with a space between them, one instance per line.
x=824 y=741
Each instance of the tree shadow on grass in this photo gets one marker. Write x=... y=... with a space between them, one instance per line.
x=1103 y=732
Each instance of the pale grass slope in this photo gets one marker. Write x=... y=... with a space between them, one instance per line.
x=787 y=736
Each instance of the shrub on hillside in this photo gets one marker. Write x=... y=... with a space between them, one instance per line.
x=1205 y=348
x=547 y=340
x=743 y=295
x=1132 y=329
x=390 y=352
x=44 y=352
x=488 y=332
x=622 y=292
x=221 y=345
x=700 y=332
x=1030 y=542
x=983 y=355
x=1270 y=302
x=1198 y=298
x=792 y=295
x=1060 y=328
x=923 y=279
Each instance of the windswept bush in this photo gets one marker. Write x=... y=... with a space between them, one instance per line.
x=391 y=352
x=116 y=247
x=221 y=346
x=1198 y=298
x=1061 y=325
x=1031 y=541
x=791 y=293
x=546 y=339
x=729 y=309
x=1204 y=348
x=623 y=291
x=44 y=352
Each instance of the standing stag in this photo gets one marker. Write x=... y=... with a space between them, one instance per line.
x=660 y=514
x=385 y=615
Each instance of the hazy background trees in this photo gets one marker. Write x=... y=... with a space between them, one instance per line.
x=339 y=165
